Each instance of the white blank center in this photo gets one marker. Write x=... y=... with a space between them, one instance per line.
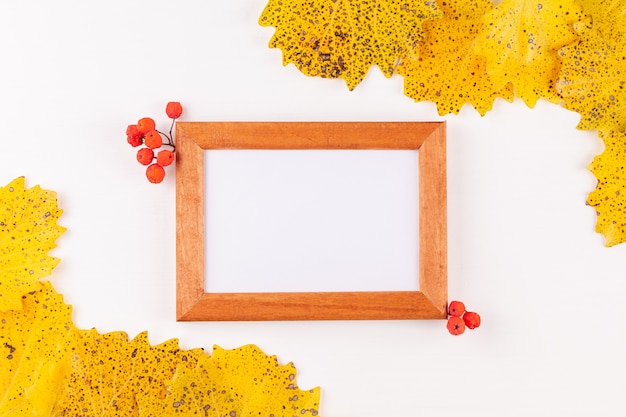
x=311 y=220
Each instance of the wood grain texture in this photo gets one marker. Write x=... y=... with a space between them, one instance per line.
x=312 y=306
x=194 y=304
x=433 y=220
x=189 y=224
x=308 y=135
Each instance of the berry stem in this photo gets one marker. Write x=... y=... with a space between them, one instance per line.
x=171 y=128
x=169 y=142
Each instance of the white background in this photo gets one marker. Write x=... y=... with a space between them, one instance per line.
x=311 y=220
x=522 y=247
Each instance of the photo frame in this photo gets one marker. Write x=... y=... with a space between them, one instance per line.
x=193 y=303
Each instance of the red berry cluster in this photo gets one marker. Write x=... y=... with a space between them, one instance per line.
x=460 y=318
x=145 y=134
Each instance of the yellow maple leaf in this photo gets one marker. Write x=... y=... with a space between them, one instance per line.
x=448 y=71
x=243 y=382
x=521 y=41
x=108 y=371
x=592 y=80
x=35 y=346
x=28 y=230
x=344 y=38
x=609 y=197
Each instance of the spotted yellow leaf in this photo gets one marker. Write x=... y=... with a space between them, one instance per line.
x=344 y=38
x=50 y=368
x=449 y=72
x=35 y=346
x=592 y=80
x=609 y=197
x=243 y=382
x=28 y=231
x=108 y=371
x=607 y=16
x=521 y=41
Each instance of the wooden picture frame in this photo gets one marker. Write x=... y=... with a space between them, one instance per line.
x=193 y=303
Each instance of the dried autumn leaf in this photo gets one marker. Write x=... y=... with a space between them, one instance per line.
x=35 y=343
x=592 y=80
x=108 y=371
x=609 y=197
x=521 y=43
x=449 y=72
x=344 y=38
x=28 y=230
x=243 y=382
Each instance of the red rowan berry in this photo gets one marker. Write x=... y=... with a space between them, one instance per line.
x=471 y=319
x=145 y=156
x=456 y=325
x=155 y=173
x=165 y=157
x=174 y=109
x=456 y=308
x=145 y=125
x=133 y=136
x=153 y=139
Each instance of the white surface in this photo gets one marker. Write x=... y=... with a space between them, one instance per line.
x=311 y=221
x=522 y=246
